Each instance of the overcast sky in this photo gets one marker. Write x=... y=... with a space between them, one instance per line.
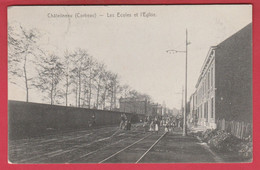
x=135 y=47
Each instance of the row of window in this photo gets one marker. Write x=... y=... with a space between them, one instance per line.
x=204 y=109
x=206 y=84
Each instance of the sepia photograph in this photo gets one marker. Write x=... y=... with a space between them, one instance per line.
x=130 y=84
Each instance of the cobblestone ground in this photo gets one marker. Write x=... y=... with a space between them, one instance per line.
x=111 y=145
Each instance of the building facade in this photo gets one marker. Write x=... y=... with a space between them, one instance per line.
x=132 y=105
x=192 y=109
x=224 y=87
x=140 y=106
x=205 y=92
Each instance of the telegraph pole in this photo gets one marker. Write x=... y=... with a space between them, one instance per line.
x=185 y=95
x=185 y=102
x=182 y=108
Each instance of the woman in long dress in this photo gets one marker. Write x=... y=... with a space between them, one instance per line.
x=167 y=125
x=151 y=126
x=156 y=127
x=145 y=125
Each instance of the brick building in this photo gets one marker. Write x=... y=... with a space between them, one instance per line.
x=140 y=106
x=224 y=87
x=132 y=105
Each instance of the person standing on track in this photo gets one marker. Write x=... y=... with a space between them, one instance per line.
x=151 y=125
x=156 y=125
x=167 y=124
x=145 y=125
x=128 y=125
x=122 y=122
x=93 y=120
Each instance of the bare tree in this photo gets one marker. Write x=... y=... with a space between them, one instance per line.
x=105 y=82
x=79 y=73
x=22 y=47
x=112 y=82
x=116 y=89
x=87 y=75
x=100 y=72
x=67 y=68
x=79 y=66
x=91 y=74
x=125 y=89
x=50 y=72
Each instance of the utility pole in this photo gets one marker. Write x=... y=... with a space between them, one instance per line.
x=185 y=102
x=185 y=95
x=182 y=108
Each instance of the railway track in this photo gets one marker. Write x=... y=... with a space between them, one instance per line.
x=52 y=154
x=100 y=149
x=79 y=146
x=150 y=147
x=41 y=145
x=132 y=145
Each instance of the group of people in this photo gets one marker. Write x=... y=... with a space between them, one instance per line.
x=125 y=124
x=169 y=123
x=151 y=124
x=154 y=124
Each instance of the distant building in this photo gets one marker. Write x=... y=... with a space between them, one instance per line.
x=132 y=105
x=140 y=106
x=224 y=87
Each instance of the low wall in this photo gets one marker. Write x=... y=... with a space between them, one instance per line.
x=33 y=119
x=236 y=128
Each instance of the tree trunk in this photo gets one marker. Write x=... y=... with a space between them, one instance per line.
x=90 y=94
x=111 y=100
x=76 y=92
x=104 y=101
x=115 y=90
x=67 y=89
x=54 y=94
x=98 y=93
x=84 y=97
x=52 y=87
x=79 y=88
x=25 y=78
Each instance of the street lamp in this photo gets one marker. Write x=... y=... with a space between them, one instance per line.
x=186 y=62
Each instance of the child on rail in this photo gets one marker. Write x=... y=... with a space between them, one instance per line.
x=128 y=125
x=156 y=125
x=123 y=121
x=151 y=126
x=93 y=120
x=145 y=125
x=167 y=125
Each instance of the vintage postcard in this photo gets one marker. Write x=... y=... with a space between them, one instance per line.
x=130 y=84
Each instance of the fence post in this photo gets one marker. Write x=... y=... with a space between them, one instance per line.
x=232 y=127
x=223 y=124
x=238 y=127
x=242 y=132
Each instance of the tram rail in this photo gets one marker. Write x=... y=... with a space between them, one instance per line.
x=59 y=152
x=129 y=146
